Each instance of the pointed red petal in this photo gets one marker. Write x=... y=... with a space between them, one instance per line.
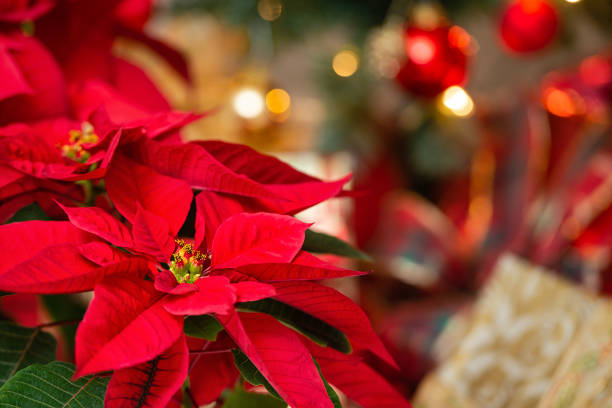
x=280 y=356
x=151 y=235
x=304 y=267
x=257 y=238
x=259 y=167
x=357 y=380
x=214 y=295
x=20 y=241
x=336 y=309
x=195 y=165
x=150 y=384
x=298 y=197
x=129 y=184
x=299 y=190
x=206 y=383
x=249 y=291
x=124 y=325
x=97 y=221
x=211 y=210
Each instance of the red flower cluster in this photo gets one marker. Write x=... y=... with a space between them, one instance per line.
x=89 y=139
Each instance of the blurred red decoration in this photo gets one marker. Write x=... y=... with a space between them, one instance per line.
x=436 y=58
x=528 y=25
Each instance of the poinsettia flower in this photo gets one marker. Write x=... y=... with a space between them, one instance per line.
x=230 y=179
x=39 y=161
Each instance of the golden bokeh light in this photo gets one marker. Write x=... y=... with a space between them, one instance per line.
x=269 y=10
x=278 y=101
x=345 y=63
x=457 y=101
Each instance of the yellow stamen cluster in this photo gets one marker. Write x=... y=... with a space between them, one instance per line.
x=187 y=264
x=76 y=139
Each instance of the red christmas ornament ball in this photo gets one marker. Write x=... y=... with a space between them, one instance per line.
x=528 y=25
x=435 y=59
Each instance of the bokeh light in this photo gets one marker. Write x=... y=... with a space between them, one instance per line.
x=269 y=10
x=421 y=50
x=457 y=101
x=345 y=63
x=248 y=103
x=563 y=103
x=278 y=101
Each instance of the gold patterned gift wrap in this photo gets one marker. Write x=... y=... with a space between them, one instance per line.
x=584 y=376
x=523 y=323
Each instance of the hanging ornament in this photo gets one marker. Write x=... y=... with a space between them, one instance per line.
x=528 y=25
x=436 y=55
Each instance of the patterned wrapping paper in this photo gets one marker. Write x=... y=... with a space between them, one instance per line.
x=523 y=323
x=584 y=376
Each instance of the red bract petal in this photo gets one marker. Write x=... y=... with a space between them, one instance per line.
x=298 y=190
x=21 y=241
x=54 y=269
x=90 y=95
x=151 y=235
x=257 y=238
x=130 y=184
x=195 y=165
x=96 y=221
x=124 y=325
x=22 y=11
x=304 y=267
x=150 y=384
x=336 y=309
x=166 y=282
x=249 y=291
x=43 y=76
x=9 y=71
x=298 y=197
x=211 y=210
x=206 y=383
x=357 y=380
x=136 y=86
x=215 y=294
x=280 y=356
x=258 y=167
x=170 y=55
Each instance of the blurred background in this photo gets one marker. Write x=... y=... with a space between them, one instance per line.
x=473 y=128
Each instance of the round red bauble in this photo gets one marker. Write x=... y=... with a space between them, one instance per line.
x=528 y=25
x=435 y=59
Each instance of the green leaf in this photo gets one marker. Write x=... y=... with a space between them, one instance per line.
x=28 y=213
x=239 y=398
x=251 y=373
x=22 y=346
x=331 y=393
x=320 y=243
x=203 y=327
x=49 y=386
x=322 y=333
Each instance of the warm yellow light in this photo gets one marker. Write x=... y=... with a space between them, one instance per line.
x=457 y=101
x=278 y=101
x=269 y=10
x=573 y=1
x=248 y=103
x=345 y=63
